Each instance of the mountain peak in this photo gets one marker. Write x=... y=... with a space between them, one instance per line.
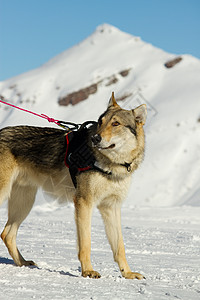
x=106 y=28
x=110 y=30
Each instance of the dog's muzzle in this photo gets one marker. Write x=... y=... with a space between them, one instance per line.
x=96 y=139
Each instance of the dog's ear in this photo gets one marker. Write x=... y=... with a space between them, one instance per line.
x=112 y=101
x=140 y=113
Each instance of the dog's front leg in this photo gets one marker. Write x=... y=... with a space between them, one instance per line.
x=83 y=214
x=112 y=220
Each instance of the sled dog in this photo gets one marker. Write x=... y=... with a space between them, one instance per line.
x=32 y=157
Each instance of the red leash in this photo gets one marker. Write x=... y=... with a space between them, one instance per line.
x=31 y=112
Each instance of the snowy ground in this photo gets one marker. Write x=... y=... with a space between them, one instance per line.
x=161 y=243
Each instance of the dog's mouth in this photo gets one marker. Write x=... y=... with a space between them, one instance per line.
x=96 y=142
x=105 y=148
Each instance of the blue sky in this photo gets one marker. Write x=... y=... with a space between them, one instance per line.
x=33 y=31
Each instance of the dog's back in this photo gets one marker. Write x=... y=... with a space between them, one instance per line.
x=44 y=147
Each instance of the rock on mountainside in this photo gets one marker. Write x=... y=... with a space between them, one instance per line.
x=76 y=85
x=78 y=96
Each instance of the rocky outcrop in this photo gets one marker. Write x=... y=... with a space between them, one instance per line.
x=82 y=94
x=124 y=96
x=171 y=63
x=111 y=80
x=78 y=96
x=124 y=73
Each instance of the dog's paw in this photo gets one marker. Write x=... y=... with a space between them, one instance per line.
x=133 y=275
x=91 y=274
x=29 y=263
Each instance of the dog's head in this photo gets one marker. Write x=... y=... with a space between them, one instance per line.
x=119 y=131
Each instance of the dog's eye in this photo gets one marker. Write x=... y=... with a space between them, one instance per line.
x=115 y=123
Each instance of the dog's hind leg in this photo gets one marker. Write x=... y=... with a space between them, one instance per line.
x=112 y=219
x=19 y=205
x=8 y=174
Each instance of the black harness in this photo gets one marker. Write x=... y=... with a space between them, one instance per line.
x=79 y=156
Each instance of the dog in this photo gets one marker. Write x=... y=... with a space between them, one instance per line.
x=32 y=157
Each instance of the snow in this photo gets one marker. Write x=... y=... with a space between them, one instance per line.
x=160 y=218
x=161 y=243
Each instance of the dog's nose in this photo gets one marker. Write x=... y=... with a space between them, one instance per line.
x=96 y=139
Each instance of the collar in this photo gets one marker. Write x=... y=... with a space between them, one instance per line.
x=127 y=166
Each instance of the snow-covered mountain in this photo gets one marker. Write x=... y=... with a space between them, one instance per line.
x=76 y=85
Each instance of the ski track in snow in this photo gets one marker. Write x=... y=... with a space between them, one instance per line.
x=161 y=243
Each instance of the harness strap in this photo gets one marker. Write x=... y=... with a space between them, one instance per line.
x=67 y=140
x=73 y=168
x=67 y=157
x=101 y=170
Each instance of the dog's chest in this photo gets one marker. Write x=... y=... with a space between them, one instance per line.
x=103 y=189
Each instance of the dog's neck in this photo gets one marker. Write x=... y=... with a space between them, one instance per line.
x=126 y=163
x=119 y=168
